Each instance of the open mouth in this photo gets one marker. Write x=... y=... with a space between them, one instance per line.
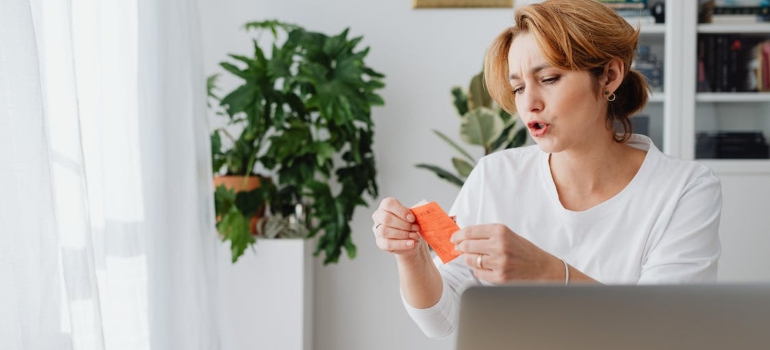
x=537 y=129
x=537 y=125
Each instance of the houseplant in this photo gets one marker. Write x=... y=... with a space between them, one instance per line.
x=482 y=123
x=304 y=110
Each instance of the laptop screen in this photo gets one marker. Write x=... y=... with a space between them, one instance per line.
x=682 y=317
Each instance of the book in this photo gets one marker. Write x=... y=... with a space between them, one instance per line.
x=741 y=3
x=758 y=10
x=737 y=19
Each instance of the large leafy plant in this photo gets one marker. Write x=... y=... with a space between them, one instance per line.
x=304 y=111
x=482 y=123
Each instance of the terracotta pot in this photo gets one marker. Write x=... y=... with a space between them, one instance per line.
x=236 y=184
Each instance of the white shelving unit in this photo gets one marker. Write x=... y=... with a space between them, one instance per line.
x=733 y=97
x=734 y=28
x=654 y=35
x=745 y=225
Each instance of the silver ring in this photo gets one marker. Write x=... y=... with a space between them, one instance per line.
x=478 y=261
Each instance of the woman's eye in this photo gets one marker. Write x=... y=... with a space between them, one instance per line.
x=517 y=90
x=550 y=80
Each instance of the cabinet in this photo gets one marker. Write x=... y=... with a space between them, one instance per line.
x=679 y=113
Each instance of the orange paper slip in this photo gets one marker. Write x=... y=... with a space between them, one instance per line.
x=436 y=227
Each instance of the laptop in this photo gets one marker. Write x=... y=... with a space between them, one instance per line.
x=672 y=317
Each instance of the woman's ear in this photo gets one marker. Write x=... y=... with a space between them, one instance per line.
x=614 y=71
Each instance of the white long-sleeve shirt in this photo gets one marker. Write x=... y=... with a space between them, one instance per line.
x=661 y=228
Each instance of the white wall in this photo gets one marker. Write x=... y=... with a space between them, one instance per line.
x=423 y=53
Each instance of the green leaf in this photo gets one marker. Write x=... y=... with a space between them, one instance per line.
x=235 y=228
x=224 y=199
x=249 y=61
x=460 y=100
x=481 y=126
x=216 y=143
x=452 y=178
x=454 y=145
x=478 y=95
x=244 y=74
x=373 y=73
x=505 y=136
x=249 y=202
x=463 y=168
x=505 y=116
x=272 y=26
x=323 y=151
x=211 y=85
x=240 y=99
x=519 y=139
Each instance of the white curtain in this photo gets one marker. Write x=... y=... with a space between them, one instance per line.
x=107 y=236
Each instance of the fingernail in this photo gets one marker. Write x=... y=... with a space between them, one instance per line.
x=414 y=235
x=409 y=217
x=409 y=243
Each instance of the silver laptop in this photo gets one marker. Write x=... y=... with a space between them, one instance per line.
x=689 y=317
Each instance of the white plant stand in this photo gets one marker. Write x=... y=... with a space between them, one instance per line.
x=267 y=296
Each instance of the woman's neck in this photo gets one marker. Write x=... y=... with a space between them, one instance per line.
x=589 y=175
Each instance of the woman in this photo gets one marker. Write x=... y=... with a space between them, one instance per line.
x=587 y=203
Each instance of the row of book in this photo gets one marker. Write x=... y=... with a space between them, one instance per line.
x=733 y=63
x=734 y=11
x=638 y=12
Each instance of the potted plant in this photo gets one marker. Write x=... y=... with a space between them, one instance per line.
x=482 y=123
x=303 y=109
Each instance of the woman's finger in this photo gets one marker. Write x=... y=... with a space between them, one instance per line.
x=385 y=218
x=471 y=232
x=475 y=246
x=387 y=232
x=392 y=205
x=479 y=261
x=395 y=245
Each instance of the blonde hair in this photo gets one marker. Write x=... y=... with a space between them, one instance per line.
x=575 y=35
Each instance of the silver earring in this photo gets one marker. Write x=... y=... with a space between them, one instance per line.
x=612 y=97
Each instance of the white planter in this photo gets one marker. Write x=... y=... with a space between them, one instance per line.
x=267 y=296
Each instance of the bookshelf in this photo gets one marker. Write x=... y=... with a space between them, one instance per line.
x=687 y=112
x=745 y=182
x=651 y=29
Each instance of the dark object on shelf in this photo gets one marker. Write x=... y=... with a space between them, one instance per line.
x=705 y=11
x=649 y=66
x=659 y=12
x=731 y=145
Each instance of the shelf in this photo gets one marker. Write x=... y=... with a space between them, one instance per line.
x=652 y=29
x=657 y=97
x=733 y=97
x=737 y=166
x=759 y=28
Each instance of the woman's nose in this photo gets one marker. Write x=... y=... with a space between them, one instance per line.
x=530 y=100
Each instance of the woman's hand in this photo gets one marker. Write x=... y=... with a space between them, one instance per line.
x=394 y=228
x=499 y=255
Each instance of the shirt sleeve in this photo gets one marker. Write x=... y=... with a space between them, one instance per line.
x=440 y=320
x=689 y=249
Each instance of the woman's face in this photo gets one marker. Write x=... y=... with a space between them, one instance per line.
x=559 y=107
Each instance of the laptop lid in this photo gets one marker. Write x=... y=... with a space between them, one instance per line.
x=682 y=317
